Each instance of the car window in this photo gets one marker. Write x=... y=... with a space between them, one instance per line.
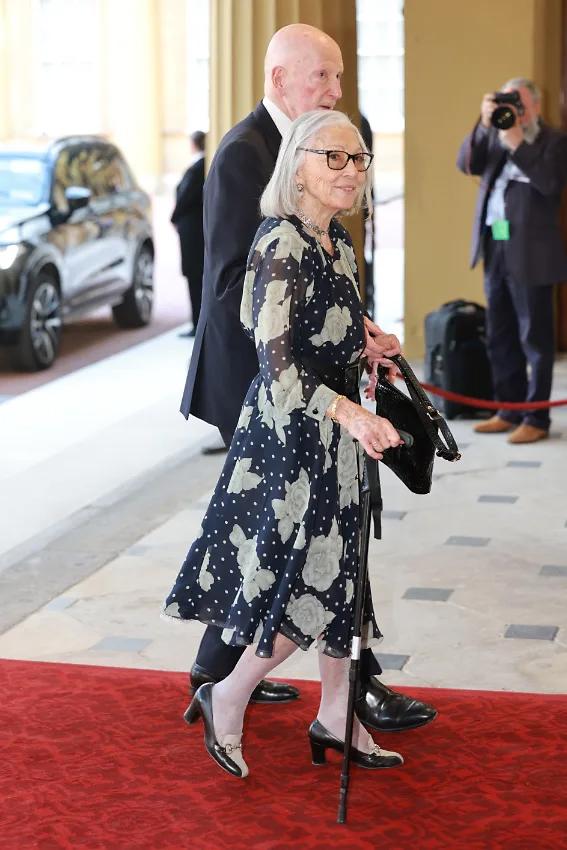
x=98 y=167
x=22 y=180
x=69 y=170
x=107 y=172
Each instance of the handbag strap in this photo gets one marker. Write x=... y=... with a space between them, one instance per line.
x=432 y=420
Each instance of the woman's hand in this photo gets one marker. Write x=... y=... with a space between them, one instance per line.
x=392 y=374
x=378 y=343
x=370 y=389
x=374 y=433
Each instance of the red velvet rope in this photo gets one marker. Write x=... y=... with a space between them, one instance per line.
x=469 y=401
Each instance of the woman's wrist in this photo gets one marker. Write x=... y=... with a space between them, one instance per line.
x=341 y=410
x=332 y=409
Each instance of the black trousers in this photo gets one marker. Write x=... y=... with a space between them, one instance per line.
x=520 y=333
x=195 y=287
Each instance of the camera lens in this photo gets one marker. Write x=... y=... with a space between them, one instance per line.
x=503 y=118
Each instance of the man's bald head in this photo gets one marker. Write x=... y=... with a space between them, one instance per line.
x=303 y=69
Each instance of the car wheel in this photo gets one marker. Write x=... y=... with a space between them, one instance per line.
x=135 y=311
x=38 y=341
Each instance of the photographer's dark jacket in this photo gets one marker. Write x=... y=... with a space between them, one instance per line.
x=535 y=253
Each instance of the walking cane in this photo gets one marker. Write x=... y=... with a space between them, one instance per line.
x=359 y=598
x=353 y=677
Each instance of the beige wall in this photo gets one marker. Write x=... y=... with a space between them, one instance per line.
x=455 y=52
x=18 y=92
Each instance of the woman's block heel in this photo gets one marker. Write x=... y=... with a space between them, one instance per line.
x=317 y=752
x=193 y=712
x=321 y=740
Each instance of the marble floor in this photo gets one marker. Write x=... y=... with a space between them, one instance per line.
x=104 y=488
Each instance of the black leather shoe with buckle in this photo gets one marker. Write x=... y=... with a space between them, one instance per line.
x=388 y=711
x=266 y=691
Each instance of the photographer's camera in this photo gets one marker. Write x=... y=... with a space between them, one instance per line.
x=504 y=116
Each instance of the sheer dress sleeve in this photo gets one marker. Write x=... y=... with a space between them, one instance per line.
x=279 y=276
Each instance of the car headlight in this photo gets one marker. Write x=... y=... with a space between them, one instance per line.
x=8 y=254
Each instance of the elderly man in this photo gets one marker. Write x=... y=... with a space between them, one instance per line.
x=516 y=231
x=303 y=69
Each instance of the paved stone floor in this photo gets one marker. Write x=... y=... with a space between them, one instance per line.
x=104 y=488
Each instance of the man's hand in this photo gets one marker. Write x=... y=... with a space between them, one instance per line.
x=487 y=107
x=513 y=137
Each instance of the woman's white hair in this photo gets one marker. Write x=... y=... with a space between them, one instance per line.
x=281 y=197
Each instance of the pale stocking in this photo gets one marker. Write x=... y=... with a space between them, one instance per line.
x=231 y=695
x=334 y=699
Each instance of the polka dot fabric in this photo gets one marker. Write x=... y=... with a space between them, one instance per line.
x=278 y=548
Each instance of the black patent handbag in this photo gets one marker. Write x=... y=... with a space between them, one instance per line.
x=414 y=413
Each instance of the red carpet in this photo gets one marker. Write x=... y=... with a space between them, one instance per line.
x=99 y=759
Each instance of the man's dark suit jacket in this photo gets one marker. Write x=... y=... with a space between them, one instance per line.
x=224 y=360
x=188 y=220
x=535 y=252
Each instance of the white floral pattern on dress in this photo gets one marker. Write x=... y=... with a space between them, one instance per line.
x=205 y=578
x=300 y=540
x=244 y=418
x=289 y=244
x=287 y=391
x=346 y=265
x=246 y=304
x=241 y=478
x=323 y=562
x=273 y=417
x=290 y=511
x=273 y=318
x=347 y=470
x=326 y=436
x=337 y=321
x=254 y=579
x=286 y=394
x=309 y=614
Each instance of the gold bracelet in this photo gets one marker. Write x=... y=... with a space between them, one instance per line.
x=333 y=407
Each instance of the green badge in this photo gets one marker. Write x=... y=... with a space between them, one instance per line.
x=501 y=230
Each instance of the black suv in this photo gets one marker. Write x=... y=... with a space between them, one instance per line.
x=75 y=234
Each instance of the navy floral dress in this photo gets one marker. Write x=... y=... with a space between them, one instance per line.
x=278 y=548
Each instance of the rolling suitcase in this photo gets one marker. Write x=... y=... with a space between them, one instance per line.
x=455 y=355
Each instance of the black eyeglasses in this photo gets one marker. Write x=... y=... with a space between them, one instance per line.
x=337 y=160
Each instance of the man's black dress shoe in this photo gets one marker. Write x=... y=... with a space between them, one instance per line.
x=214 y=450
x=187 y=334
x=266 y=691
x=202 y=705
x=320 y=740
x=387 y=711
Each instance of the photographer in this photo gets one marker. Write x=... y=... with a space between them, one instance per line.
x=522 y=164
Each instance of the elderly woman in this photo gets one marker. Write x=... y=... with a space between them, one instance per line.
x=275 y=563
